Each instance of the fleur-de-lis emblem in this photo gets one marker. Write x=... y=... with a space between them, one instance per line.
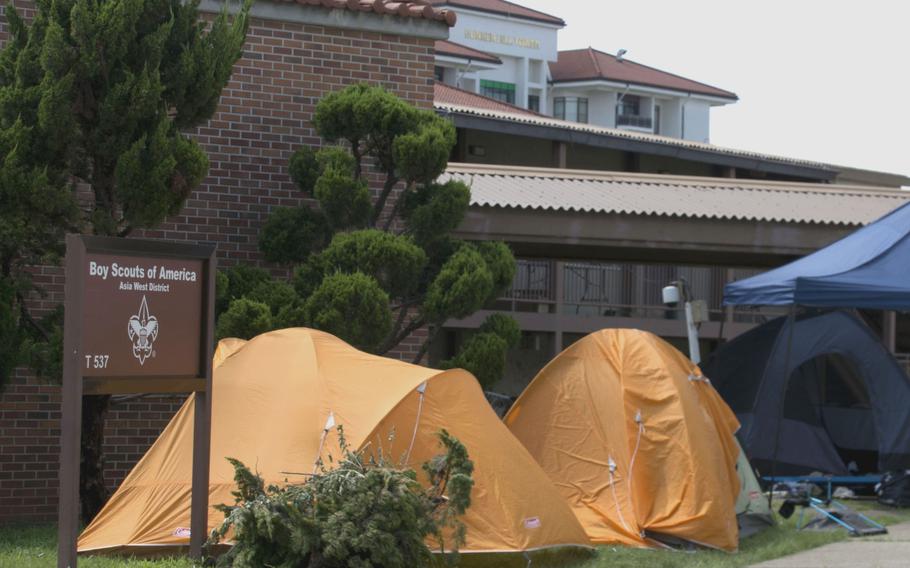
x=143 y=330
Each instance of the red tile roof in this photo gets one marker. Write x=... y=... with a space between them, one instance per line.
x=449 y=95
x=452 y=49
x=592 y=65
x=501 y=7
x=417 y=9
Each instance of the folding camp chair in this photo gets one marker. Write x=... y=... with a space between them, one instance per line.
x=827 y=512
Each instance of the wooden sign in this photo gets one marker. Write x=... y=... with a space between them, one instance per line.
x=139 y=318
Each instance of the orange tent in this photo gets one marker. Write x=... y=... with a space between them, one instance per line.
x=275 y=399
x=637 y=441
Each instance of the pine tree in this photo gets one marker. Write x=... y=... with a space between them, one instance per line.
x=364 y=511
x=369 y=268
x=98 y=95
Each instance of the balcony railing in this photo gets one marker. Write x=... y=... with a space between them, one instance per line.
x=619 y=289
x=634 y=120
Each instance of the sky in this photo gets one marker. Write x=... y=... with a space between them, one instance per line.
x=821 y=80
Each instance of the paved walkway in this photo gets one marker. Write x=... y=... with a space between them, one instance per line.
x=890 y=550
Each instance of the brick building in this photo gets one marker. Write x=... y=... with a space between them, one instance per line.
x=295 y=53
x=600 y=216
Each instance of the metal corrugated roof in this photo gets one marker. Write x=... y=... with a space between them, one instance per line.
x=674 y=196
x=545 y=121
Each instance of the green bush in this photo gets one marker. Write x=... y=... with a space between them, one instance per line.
x=275 y=294
x=345 y=200
x=235 y=283
x=10 y=335
x=304 y=169
x=244 y=319
x=291 y=234
x=504 y=326
x=462 y=286
x=364 y=513
x=484 y=354
x=351 y=306
x=433 y=210
x=394 y=261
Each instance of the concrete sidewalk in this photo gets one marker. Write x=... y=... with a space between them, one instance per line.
x=890 y=550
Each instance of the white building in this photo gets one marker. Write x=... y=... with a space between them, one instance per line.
x=510 y=53
x=607 y=90
x=524 y=40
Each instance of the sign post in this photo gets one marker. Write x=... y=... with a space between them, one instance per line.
x=138 y=319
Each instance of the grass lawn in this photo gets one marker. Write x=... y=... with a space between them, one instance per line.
x=35 y=547
x=774 y=542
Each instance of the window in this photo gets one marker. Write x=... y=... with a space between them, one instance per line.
x=629 y=105
x=571 y=108
x=504 y=92
x=439 y=73
x=534 y=103
x=629 y=113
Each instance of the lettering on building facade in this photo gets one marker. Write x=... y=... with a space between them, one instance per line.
x=502 y=39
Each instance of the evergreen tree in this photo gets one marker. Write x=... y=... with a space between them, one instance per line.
x=364 y=511
x=97 y=95
x=369 y=268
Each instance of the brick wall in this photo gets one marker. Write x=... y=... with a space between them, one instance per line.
x=264 y=115
x=29 y=450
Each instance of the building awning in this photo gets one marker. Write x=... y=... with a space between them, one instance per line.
x=549 y=189
x=470 y=116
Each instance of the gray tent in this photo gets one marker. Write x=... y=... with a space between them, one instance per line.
x=752 y=510
x=838 y=407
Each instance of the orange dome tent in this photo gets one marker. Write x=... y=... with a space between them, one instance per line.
x=637 y=441
x=274 y=401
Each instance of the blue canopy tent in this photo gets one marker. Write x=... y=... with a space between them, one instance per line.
x=869 y=268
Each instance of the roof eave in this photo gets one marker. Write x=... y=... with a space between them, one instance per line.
x=727 y=98
x=461 y=61
x=555 y=22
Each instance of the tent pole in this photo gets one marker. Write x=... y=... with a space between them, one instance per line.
x=791 y=323
x=889 y=330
